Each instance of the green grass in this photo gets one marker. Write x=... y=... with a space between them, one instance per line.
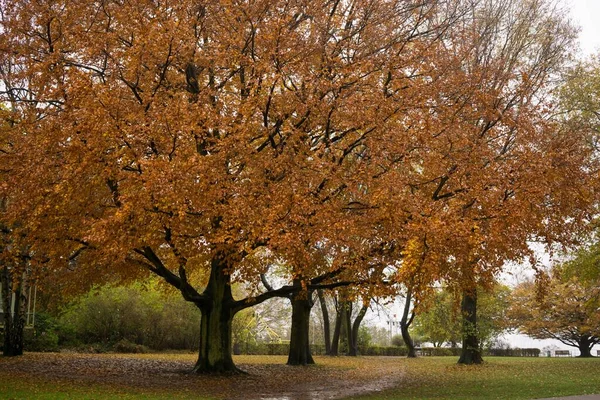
x=14 y=390
x=423 y=378
x=498 y=378
x=19 y=388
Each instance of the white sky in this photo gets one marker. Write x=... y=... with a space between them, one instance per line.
x=586 y=14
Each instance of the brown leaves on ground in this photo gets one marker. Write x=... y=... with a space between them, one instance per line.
x=268 y=376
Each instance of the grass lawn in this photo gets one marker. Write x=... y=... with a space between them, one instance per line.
x=14 y=388
x=498 y=378
x=159 y=376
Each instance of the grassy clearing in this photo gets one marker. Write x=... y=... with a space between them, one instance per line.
x=149 y=376
x=498 y=378
x=38 y=376
x=23 y=387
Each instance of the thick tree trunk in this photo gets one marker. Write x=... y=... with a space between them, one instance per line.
x=405 y=324
x=470 y=354
x=14 y=324
x=326 y=325
x=585 y=347
x=299 y=339
x=353 y=351
x=215 y=328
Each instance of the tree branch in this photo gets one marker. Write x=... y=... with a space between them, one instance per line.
x=157 y=266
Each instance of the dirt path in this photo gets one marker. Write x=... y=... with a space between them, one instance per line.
x=268 y=377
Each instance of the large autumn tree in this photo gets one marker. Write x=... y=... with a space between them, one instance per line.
x=503 y=175
x=183 y=136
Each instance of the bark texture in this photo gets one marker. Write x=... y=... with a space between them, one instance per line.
x=337 y=328
x=471 y=353
x=326 y=324
x=299 y=353
x=14 y=323
x=215 y=355
x=346 y=334
x=353 y=350
x=405 y=323
x=585 y=345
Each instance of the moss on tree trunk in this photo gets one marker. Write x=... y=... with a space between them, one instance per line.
x=215 y=341
x=215 y=355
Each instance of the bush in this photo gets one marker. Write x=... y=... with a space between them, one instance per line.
x=282 y=349
x=383 y=351
x=504 y=352
x=397 y=341
x=440 y=351
x=44 y=341
x=95 y=348
x=43 y=336
x=110 y=315
x=125 y=346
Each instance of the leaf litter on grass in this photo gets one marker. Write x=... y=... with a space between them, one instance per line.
x=268 y=377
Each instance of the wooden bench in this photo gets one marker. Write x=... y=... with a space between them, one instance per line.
x=562 y=353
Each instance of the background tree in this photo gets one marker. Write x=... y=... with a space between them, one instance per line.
x=585 y=265
x=564 y=309
x=579 y=98
x=512 y=50
x=438 y=320
x=14 y=283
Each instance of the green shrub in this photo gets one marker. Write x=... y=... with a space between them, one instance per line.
x=45 y=341
x=383 y=351
x=440 y=351
x=142 y=315
x=508 y=352
x=125 y=346
x=397 y=341
x=43 y=336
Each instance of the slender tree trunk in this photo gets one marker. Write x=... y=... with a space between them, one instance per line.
x=470 y=354
x=14 y=324
x=585 y=347
x=335 y=340
x=299 y=339
x=215 y=327
x=326 y=324
x=355 y=327
x=347 y=327
x=405 y=324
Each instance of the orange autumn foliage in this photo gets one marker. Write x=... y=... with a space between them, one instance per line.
x=181 y=136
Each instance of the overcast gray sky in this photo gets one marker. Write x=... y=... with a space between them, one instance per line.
x=586 y=13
